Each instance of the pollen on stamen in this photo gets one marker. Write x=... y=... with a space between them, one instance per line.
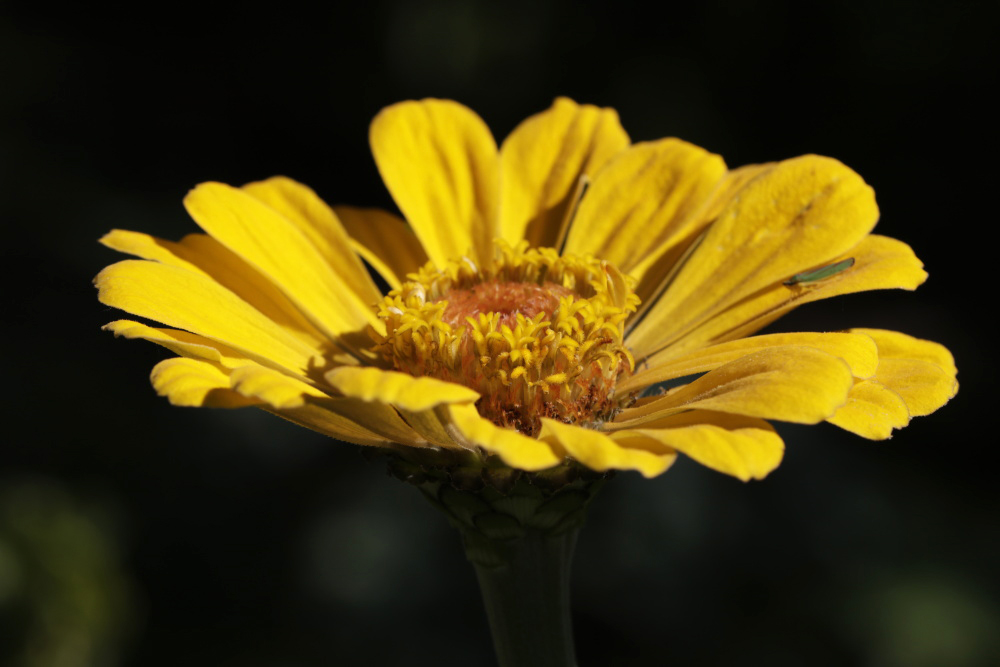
x=536 y=334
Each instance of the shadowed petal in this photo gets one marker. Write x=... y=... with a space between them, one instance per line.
x=384 y=240
x=858 y=350
x=788 y=383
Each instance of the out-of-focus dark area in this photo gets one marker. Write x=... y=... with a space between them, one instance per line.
x=136 y=533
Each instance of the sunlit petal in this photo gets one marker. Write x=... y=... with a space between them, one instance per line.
x=600 y=451
x=736 y=445
x=796 y=215
x=440 y=162
x=542 y=162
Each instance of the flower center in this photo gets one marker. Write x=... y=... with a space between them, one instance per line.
x=506 y=299
x=536 y=334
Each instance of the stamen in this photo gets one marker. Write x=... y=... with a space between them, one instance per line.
x=536 y=334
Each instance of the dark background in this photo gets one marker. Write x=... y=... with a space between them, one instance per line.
x=135 y=533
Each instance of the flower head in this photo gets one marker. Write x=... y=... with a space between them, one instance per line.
x=541 y=296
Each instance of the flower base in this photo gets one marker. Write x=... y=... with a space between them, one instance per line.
x=519 y=530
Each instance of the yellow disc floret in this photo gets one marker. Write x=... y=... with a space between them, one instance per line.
x=536 y=334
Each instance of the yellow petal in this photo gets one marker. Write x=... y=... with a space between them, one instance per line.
x=318 y=416
x=599 y=451
x=399 y=389
x=150 y=247
x=658 y=277
x=641 y=204
x=799 y=214
x=923 y=386
x=191 y=301
x=740 y=446
x=276 y=389
x=896 y=345
x=203 y=255
x=350 y=418
x=880 y=263
x=858 y=350
x=433 y=425
x=294 y=400
x=788 y=383
x=318 y=223
x=541 y=163
x=384 y=240
x=440 y=163
x=192 y=383
x=181 y=342
x=872 y=411
x=516 y=450
x=276 y=247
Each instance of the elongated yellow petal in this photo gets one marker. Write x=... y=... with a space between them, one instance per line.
x=179 y=298
x=181 y=342
x=384 y=240
x=641 y=204
x=399 y=389
x=516 y=450
x=744 y=447
x=276 y=389
x=788 y=383
x=192 y=383
x=880 y=263
x=320 y=225
x=150 y=247
x=349 y=418
x=542 y=161
x=896 y=345
x=872 y=411
x=679 y=246
x=291 y=398
x=858 y=350
x=321 y=417
x=434 y=426
x=203 y=255
x=795 y=216
x=599 y=451
x=277 y=248
x=440 y=163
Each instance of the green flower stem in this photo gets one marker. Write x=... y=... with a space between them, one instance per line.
x=527 y=601
x=519 y=530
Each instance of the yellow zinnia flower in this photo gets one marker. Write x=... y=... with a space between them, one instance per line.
x=537 y=294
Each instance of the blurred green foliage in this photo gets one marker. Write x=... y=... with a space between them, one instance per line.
x=64 y=600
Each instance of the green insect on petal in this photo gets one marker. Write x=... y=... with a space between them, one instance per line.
x=822 y=273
